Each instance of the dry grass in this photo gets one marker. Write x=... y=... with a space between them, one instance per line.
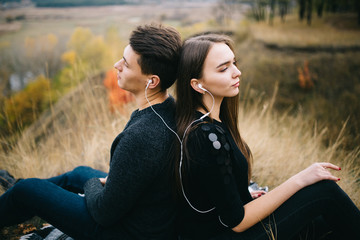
x=283 y=145
x=80 y=128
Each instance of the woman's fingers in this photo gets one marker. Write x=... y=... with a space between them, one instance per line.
x=326 y=173
x=330 y=165
x=257 y=193
x=317 y=172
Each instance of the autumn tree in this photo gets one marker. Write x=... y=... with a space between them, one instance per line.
x=89 y=48
x=41 y=55
x=117 y=96
x=5 y=70
x=24 y=107
x=114 y=42
x=86 y=55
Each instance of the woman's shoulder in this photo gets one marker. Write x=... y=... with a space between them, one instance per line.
x=208 y=130
x=210 y=135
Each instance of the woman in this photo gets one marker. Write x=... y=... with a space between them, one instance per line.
x=214 y=169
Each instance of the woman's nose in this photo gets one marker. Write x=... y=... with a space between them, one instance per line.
x=237 y=73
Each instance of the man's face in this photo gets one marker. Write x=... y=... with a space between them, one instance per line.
x=129 y=73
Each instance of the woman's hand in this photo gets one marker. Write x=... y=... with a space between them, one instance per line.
x=257 y=193
x=103 y=180
x=262 y=207
x=315 y=173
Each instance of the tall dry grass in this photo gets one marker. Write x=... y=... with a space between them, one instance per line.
x=79 y=130
x=283 y=145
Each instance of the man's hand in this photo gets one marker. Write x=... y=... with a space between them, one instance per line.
x=103 y=180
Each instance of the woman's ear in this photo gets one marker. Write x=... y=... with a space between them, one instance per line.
x=195 y=85
x=153 y=81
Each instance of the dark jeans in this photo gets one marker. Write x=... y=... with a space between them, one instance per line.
x=55 y=200
x=320 y=211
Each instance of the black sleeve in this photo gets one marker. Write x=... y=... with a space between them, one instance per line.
x=132 y=168
x=210 y=150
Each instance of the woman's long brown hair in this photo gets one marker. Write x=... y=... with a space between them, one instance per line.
x=193 y=55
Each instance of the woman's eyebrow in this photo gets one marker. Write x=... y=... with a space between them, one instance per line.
x=222 y=64
x=225 y=63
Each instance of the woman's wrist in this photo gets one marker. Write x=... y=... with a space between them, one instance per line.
x=296 y=182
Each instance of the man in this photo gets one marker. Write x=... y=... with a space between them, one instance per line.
x=134 y=200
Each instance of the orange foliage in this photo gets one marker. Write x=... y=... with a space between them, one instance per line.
x=305 y=77
x=117 y=96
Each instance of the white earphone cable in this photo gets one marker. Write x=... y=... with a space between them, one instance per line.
x=159 y=114
x=181 y=147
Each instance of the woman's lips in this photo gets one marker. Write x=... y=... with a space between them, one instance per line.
x=236 y=84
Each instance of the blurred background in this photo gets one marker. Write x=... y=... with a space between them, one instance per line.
x=60 y=106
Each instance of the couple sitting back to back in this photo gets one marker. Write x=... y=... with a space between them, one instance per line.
x=197 y=148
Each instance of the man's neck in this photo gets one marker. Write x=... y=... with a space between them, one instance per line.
x=153 y=96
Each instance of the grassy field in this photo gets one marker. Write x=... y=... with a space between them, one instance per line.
x=80 y=129
x=277 y=54
x=287 y=127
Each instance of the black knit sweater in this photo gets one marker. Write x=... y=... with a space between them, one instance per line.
x=136 y=201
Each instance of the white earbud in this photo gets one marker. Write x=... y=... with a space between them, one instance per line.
x=149 y=82
x=201 y=87
x=208 y=113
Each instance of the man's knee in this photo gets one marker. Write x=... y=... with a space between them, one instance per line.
x=81 y=169
x=78 y=172
x=22 y=188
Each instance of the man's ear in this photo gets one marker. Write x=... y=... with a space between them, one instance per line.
x=154 y=81
x=195 y=85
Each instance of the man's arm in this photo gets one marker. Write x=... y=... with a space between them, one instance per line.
x=131 y=169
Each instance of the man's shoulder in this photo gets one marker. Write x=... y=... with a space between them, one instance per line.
x=151 y=126
x=156 y=116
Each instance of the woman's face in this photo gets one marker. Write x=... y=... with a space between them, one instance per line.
x=220 y=74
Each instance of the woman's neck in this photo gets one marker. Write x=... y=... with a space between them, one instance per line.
x=212 y=105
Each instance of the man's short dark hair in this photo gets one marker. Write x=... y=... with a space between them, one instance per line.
x=159 y=50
